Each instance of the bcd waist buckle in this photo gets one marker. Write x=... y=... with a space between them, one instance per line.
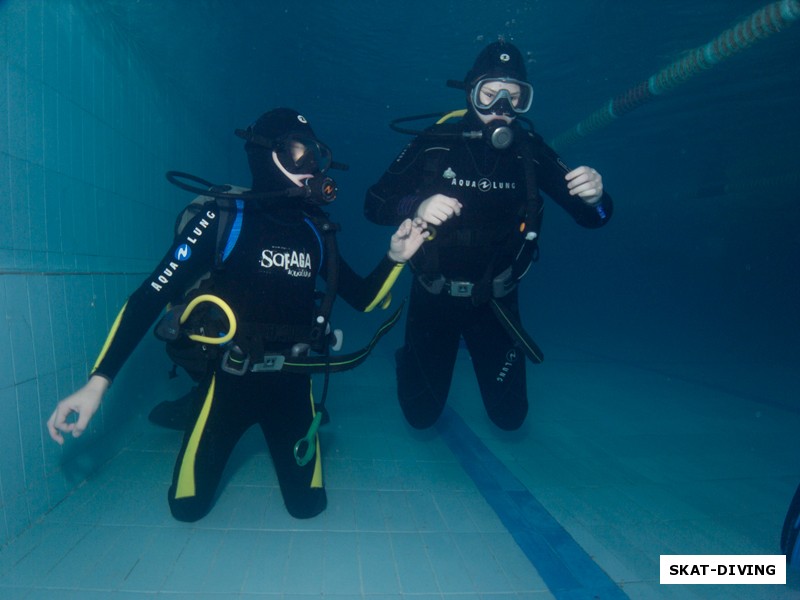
x=271 y=362
x=459 y=289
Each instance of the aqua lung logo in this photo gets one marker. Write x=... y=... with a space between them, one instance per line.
x=295 y=264
x=511 y=358
x=182 y=252
x=484 y=184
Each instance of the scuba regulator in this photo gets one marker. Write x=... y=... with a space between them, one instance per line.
x=499 y=135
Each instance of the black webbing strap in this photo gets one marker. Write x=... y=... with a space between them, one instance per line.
x=514 y=328
x=336 y=364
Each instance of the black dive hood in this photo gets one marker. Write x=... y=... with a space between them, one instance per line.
x=318 y=191
x=499 y=134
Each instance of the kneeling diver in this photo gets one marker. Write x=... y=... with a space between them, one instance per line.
x=265 y=273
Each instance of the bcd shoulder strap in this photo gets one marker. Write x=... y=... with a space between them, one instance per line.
x=230 y=219
x=533 y=210
x=321 y=325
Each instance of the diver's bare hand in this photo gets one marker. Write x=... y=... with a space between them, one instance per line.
x=586 y=183
x=438 y=208
x=408 y=238
x=84 y=403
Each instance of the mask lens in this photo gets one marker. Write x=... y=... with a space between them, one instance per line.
x=487 y=93
x=303 y=155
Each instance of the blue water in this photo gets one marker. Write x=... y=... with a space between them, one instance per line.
x=663 y=420
x=677 y=260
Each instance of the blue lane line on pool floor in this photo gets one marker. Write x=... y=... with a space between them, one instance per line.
x=566 y=568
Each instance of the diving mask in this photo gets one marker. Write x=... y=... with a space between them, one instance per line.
x=502 y=95
x=298 y=153
x=301 y=154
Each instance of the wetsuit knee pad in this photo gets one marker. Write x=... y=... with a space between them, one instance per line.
x=509 y=421
x=305 y=503
x=417 y=416
x=508 y=414
x=189 y=509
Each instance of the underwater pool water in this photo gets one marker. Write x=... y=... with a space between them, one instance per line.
x=663 y=420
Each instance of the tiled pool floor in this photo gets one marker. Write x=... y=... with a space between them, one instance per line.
x=615 y=466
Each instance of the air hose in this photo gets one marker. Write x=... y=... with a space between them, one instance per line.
x=223 y=306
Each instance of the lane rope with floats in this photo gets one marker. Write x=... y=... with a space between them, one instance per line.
x=762 y=24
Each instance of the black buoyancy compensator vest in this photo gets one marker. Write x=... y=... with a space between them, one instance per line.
x=530 y=219
x=194 y=357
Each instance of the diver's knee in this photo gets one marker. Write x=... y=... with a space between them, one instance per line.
x=188 y=510
x=421 y=424
x=420 y=408
x=306 y=504
x=508 y=416
x=420 y=403
x=508 y=424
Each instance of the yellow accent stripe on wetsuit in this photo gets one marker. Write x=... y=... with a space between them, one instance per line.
x=316 y=479
x=186 y=483
x=387 y=285
x=109 y=338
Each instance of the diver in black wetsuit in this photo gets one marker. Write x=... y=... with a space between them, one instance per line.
x=266 y=279
x=477 y=182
